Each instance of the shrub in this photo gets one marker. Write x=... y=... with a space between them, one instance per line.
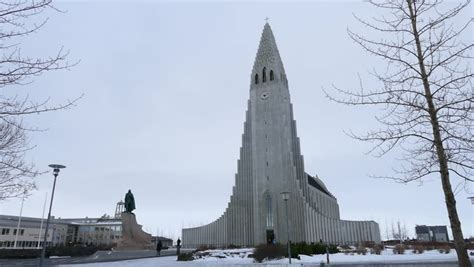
x=333 y=249
x=368 y=244
x=399 y=249
x=418 y=249
x=269 y=252
x=185 y=257
x=19 y=253
x=361 y=250
x=444 y=249
x=376 y=249
x=311 y=249
x=75 y=251
x=232 y=246
x=318 y=248
x=204 y=248
x=301 y=248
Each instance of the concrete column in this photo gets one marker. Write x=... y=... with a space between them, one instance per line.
x=212 y=233
x=354 y=232
x=198 y=237
x=319 y=234
x=331 y=230
x=315 y=225
x=311 y=225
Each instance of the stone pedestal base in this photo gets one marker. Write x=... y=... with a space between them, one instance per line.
x=133 y=237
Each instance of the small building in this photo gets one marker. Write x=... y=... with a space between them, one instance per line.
x=105 y=230
x=94 y=231
x=427 y=233
x=31 y=232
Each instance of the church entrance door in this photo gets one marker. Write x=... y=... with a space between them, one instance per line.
x=270 y=236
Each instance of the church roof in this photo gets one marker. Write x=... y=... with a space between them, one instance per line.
x=268 y=55
x=318 y=184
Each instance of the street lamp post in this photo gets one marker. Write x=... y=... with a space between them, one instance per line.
x=56 y=168
x=286 y=196
x=472 y=202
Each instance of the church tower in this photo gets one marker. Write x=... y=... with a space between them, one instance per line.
x=271 y=163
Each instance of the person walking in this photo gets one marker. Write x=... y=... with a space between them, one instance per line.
x=159 y=246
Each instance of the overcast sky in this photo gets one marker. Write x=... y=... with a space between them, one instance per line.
x=165 y=91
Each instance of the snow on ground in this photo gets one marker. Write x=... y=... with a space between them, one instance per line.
x=240 y=257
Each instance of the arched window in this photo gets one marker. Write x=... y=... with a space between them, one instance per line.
x=264 y=75
x=268 y=200
x=256 y=78
x=271 y=76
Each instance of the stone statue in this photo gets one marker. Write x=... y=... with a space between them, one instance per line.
x=129 y=202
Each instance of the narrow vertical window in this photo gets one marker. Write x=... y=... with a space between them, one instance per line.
x=264 y=75
x=269 y=211
x=271 y=76
x=256 y=78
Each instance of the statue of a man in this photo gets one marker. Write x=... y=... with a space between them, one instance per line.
x=129 y=202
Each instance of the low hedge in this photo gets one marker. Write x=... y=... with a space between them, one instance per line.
x=269 y=252
x=19 y=253
x=72 y=251
x=185 y=257
x=313 y=249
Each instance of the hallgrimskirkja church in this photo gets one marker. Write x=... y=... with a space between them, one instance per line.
x=271 y=163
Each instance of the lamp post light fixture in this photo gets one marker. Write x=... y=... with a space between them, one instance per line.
x=285 y=196
x=56 y=168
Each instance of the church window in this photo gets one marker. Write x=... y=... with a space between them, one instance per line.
x=268 y=200
x=271 y=76
x=264 y=75
x=256 y=78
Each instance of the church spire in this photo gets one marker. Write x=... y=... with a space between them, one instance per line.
x=268 y=56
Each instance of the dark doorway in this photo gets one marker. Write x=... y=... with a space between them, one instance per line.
x=270 y=237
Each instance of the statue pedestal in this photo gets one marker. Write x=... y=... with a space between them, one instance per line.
x=133 y=237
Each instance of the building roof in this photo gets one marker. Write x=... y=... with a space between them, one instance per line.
x=31 y=222
x=12 y=221
x=318 y=184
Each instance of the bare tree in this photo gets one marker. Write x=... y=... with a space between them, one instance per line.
x=18 y=19
x=426 y=93
x=400 y=233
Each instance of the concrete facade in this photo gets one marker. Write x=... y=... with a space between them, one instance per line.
x=270 y=163
x=29 y=234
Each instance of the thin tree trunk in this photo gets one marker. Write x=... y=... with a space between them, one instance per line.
x=460 y=245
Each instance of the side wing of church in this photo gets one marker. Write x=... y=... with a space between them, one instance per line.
x=270 y=163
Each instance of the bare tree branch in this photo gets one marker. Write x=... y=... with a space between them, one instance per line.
x=426 y=94
x=18 y=19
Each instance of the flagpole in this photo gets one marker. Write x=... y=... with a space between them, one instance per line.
x=19 y=219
